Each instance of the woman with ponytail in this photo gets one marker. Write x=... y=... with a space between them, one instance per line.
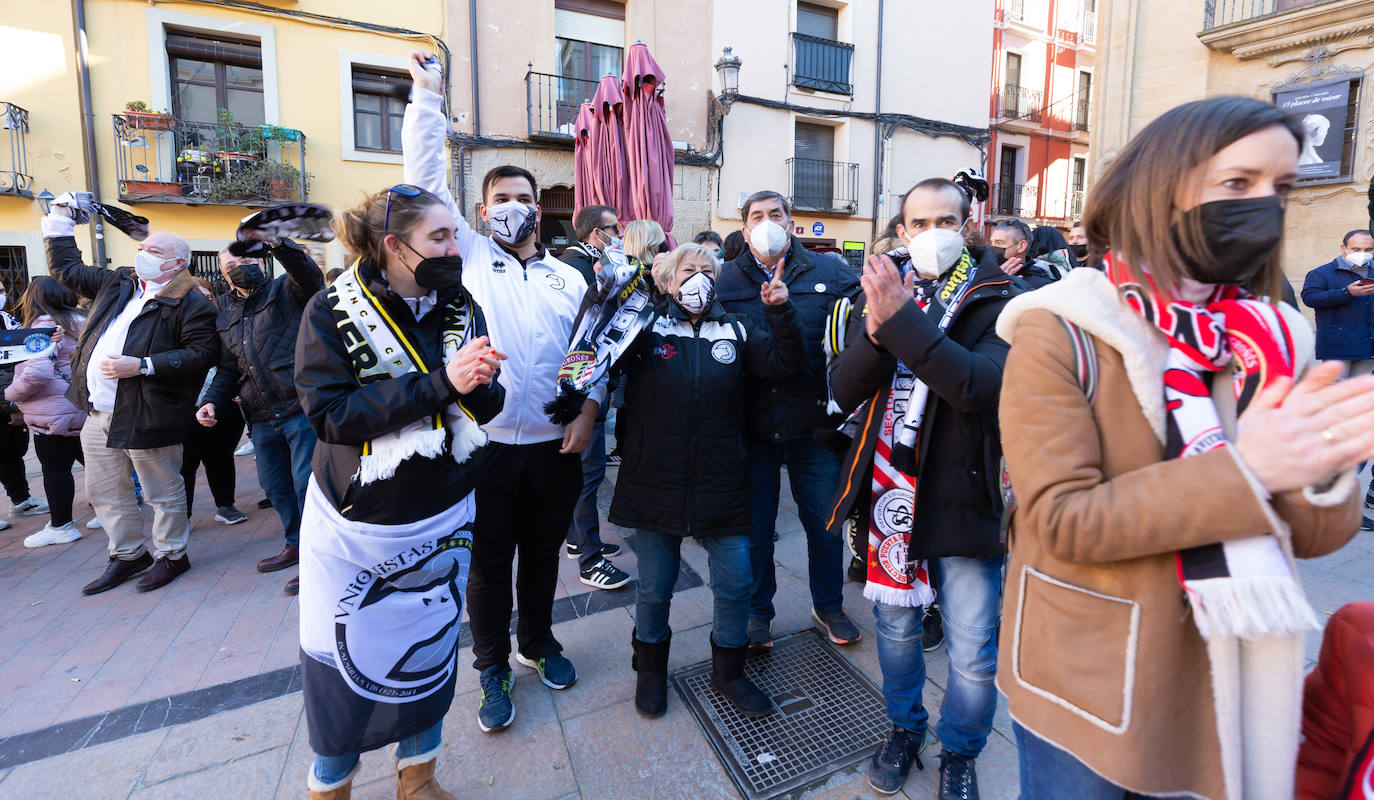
x=1172 y=446
x=396 y=375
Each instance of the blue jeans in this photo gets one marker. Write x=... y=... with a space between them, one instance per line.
x=660 y=556
x=585 y=530
x=1048 y=773
x=332 y=769
x=282 y=449
x=970 y=589
x=814 y=474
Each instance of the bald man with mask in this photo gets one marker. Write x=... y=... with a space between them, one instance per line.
x=138 y=367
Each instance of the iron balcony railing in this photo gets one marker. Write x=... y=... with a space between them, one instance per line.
x=821 y=64
x=818 y=185
x=1014 y=199
x=1080 y=120
x=14 y=160
x=1089 y=33
x=1021 y=103
x=161 y=159
x=1217 y=13
x=552 y=102
x=1014 y=11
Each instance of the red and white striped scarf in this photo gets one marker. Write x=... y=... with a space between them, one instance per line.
x=1243 y=588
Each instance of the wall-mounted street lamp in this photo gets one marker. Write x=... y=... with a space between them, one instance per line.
x=728 y=70
x=45 y=199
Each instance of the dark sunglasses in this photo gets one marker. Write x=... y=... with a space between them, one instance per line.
x=614 y=228
x=404 y=190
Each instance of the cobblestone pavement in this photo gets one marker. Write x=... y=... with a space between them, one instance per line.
x=192 y=691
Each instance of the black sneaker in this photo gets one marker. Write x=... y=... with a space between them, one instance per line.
x=604 y=575
x=890 y=765
x=1366 y=524
x=838 y=627
x=933 y=629
x=229 y=515
x=497 y=710
x=613 y=458
x=556 y=671
x=958 y=781
x=760 y=637
x=608 y=550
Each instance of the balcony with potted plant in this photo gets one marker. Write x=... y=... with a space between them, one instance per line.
x=219 y=163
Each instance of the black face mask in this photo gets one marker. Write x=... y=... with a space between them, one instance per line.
x=1080 y=251
x=1000 y=252
x=1241 y=236
x=439 y=273
x=247 y=275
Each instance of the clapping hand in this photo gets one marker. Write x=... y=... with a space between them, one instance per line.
x=774 y=292
x=475 y=364
x=885 y=292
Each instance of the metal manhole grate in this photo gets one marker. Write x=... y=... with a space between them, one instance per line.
x=829 y=715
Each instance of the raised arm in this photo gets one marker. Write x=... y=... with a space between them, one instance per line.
x=64 y=257
x=424 y=150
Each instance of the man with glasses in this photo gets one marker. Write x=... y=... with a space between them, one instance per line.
x=595 y=227
x=530 y=471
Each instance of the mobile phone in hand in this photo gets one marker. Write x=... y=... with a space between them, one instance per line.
x=1365 y=282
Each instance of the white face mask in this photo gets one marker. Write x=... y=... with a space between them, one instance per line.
x=935 y=250
x=148 y=266
x=696 y=293
x=768 y=238
x=512 y=221
x=1358 y=259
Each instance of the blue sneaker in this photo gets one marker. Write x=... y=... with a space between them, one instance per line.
x=496 y=711
x=555 y=671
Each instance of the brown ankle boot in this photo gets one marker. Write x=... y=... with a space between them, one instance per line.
x=415 y=781
x=343 y=790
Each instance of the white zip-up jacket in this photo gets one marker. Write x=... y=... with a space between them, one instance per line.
x=530 y=308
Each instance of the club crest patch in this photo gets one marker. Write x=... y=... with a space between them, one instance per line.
x=724 y=352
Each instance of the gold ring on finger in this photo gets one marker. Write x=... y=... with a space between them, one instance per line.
x=1328 y=436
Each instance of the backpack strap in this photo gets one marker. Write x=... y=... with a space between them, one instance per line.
x=1085 y=367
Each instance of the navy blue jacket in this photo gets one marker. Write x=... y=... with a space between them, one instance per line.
x=791 y=407
x=1345 y=323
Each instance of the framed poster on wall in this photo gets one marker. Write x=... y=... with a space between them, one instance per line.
x=1327 y=113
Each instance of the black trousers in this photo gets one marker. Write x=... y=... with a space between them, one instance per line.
x=525 y=499
x=213 y=447
x=14 y=445
x=57 y=454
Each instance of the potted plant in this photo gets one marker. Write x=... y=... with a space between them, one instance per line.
x=282 y=179
x=235 y=141
x=139 y=115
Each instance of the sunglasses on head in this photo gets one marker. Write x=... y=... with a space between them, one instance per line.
x=404 y=190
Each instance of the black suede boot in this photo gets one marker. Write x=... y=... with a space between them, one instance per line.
x=650 y=661
x=727 y=675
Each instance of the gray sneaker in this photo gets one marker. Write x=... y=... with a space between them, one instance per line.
x=760 y=638
x=29 y=505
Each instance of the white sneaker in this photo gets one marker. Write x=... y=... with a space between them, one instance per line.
x=94 y=524
x=246 y=450
x=49 y=535
x=32 y=505
x=5 y=524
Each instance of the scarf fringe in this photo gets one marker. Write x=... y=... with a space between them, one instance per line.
x=918 y=594
x=388 y=453
x=466 y=438
x=1250 y=608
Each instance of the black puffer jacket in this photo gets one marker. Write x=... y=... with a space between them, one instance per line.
x=258 y=338
x=959 y=506
x=683 y=468
x=345 y=414
x=792 y=407
x=176 y=330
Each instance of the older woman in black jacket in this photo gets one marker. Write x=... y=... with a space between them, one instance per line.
x=684 y=467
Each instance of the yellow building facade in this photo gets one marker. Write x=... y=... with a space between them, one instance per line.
x=1311 y=57
x=263 y=101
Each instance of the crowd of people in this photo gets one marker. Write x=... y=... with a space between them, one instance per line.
x=1084 y=466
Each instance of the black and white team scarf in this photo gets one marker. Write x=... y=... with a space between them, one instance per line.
x=613 y=312
x=381 y=351
x=379 y=619
x=1243 y=588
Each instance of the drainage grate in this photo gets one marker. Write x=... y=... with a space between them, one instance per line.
x=829 y=716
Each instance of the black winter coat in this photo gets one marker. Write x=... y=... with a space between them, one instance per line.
x=959 y=506
x=345 y=413
x=580 y=260
x=258 y=339
x=683 y=468
x=176 y=330
x=1345 y=323
x=792 y=407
